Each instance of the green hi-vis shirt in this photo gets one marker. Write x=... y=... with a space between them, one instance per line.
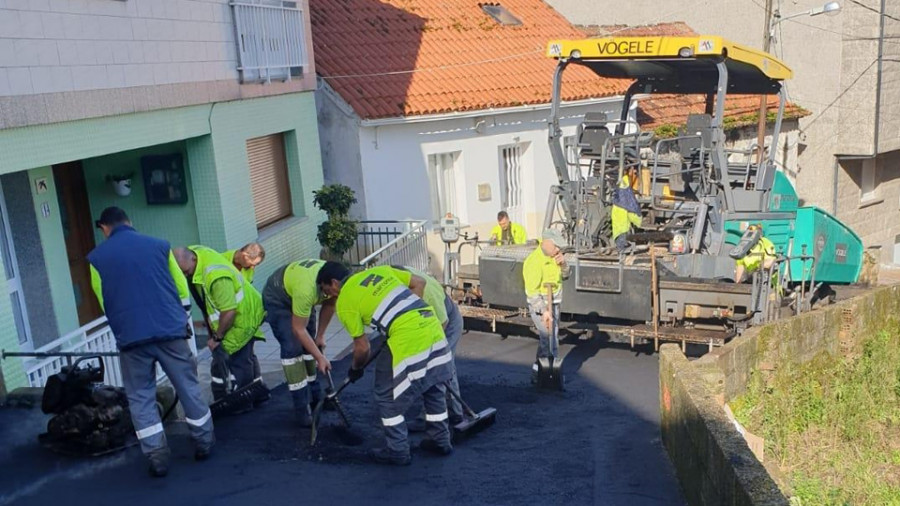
x=247 y=273
x=300 y=286
x=539 y=269
x=377 y=297
x=225 y=289
x=181 y=284
x=434 y=291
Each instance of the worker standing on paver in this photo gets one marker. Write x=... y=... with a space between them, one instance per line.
x=447 y=312
x=289 y=298
x=145 y=297
x=507 y=232
x=546 y=265
x=246 y=258
x=761 y=254
x=234 y=312
x=626 y=212
x=414 y=362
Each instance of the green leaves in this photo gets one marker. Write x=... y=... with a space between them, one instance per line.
x=338 y=233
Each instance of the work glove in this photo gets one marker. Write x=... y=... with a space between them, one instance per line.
x=355 y=374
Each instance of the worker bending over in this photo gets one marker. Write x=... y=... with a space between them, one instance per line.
x=545 y=265
x=145 y=297
x=413 y=363
x=289 y=298
x=447 y=312
x=626 y=212
x=234 y=313
x=246 y=259
x=507 y=232
x=762 y=254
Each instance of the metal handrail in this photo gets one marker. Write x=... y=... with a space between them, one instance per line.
x=414 y=226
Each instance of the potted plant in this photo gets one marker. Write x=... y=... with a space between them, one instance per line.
x=338 y=233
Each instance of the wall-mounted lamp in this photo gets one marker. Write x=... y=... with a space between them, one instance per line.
x=120 y=184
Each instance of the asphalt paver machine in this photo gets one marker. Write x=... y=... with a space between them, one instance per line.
x=698 y=197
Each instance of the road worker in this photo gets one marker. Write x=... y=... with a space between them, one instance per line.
x=289 y=298
x=246 y=258
x=762 y=254
x=234 y=311
x=626 y=212
x=451 y=319
x=146 y=300
x=507 y=232
x=413 y=363
x=545 y=265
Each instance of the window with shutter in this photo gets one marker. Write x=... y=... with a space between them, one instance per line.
x=269 y=179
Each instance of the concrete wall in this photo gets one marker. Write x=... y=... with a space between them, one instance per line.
x=64 y=60
x=877 y=220
x=712 y=461
x=394 y=153
x=339 y=133
x=30 y=256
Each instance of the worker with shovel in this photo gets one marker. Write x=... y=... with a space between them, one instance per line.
x=234 y=313
x=545 y=266
x=413 y=363
x=289 y=298
x=448 y=314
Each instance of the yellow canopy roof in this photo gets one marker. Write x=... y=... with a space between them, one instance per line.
x=692 y=58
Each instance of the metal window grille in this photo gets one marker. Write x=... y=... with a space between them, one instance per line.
x=271 y=40
x=511 y=181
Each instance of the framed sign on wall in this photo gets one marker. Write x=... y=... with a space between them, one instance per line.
x=164 y=179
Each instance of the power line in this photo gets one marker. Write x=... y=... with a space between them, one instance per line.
x=876 y=11
x=492 y=60
x=840 y=95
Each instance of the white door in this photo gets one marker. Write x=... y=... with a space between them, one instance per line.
x=511 y=182
x=13 y=281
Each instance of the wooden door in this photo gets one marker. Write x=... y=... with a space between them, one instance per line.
x=77 y=225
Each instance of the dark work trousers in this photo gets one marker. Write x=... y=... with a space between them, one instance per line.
x=392 y=410
x=544 y=345
x=299 y=366
x=231 y=372
x=139 y=377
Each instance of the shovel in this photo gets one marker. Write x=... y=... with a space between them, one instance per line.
x=473 y=422
x=331 y=398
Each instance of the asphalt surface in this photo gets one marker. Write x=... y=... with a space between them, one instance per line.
x=596 y=443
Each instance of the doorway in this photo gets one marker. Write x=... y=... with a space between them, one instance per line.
x=75 y=213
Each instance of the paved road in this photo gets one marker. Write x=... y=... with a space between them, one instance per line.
x=597 y=443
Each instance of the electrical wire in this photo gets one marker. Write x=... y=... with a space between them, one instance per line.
x=492 y=60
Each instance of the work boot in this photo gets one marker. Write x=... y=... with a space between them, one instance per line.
x=432 y=446
x=385 y=456
x=202 y=453
x=159 y=465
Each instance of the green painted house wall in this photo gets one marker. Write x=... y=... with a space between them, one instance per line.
x=219 y=212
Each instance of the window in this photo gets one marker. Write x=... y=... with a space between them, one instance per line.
x=442 y=174
x=868 y=184
x=271 y=39
x=269 y=179
x=511 y=181
x=501 y=14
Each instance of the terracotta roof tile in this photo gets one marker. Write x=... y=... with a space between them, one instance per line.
x=674 y=109
x=450 y=56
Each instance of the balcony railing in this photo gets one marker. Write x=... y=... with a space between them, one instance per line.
x=271 y=39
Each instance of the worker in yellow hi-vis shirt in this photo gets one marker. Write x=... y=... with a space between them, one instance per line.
x=545 y=266
x=290 y=298
x=507 y=232
x=413 y=363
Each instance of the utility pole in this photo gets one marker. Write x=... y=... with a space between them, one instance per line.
x=763 y=99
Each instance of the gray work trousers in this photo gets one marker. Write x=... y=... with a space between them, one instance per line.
x=453 y=332
x=391 y=410
x=139 y=376
x=545 y=347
